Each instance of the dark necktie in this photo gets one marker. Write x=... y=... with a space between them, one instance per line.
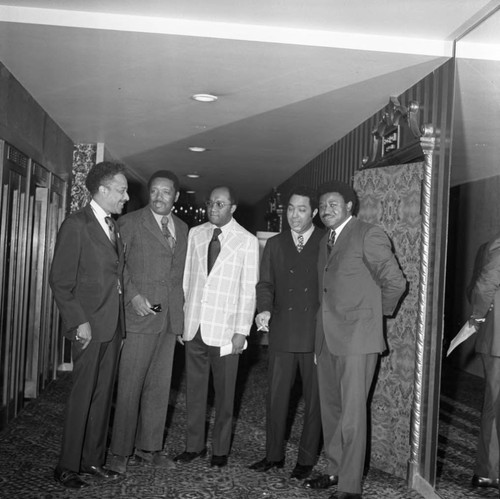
x=213 y=249
x=166 y=232
x=331 y=241
x=300 y=243
x=112 y=231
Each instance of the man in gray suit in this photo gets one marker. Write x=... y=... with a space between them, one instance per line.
x=360 y=281
x=155 y=249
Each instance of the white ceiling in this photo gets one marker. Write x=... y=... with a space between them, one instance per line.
x=292 y=78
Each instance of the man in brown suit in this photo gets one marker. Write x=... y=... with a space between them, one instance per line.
x=359 y=282
x=155 y=249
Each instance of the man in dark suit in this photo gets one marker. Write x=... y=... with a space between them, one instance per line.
x=86 y=279
x=359 y=282
x=156 y=243
x=484 y=295
x=287 y=302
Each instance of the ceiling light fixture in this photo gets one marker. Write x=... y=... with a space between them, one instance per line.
x=204 y=97
x=193 y=175
x=197 y=149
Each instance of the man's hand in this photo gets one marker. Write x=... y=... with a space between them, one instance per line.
x=262 y=321
x=238 y=341
x=180 y=340
x=475 y=323
x=84 y=334
x=142 y=306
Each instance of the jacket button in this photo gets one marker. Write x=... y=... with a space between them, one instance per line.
x=305 y=290
x=324 y=290
x=290 y=290
x=290 y=308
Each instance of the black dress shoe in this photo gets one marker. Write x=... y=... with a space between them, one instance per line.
x=219 y=461
x=187 y=457
x=321 y=482
x=99 y=472
x=69 y=479
x=345 y=495
x=481 y=481
x=265 y=465
x=301 y=471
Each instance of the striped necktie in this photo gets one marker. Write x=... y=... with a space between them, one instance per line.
x=331 y=241
x=112 y=231
x=166 y=232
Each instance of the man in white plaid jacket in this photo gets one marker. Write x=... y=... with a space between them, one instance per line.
x=219 y=289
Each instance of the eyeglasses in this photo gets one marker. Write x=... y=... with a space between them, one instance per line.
x=219 y=204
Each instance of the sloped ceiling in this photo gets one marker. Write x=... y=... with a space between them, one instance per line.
x=291 y=77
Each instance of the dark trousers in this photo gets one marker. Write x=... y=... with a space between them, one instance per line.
x=89 y=403
x=344 y=386
x=487 y=459
x=201 y=359
x=282 y=371
x=144 y=379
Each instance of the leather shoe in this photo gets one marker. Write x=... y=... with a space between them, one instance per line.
x=322 y=482
x=265 y=465
x=345 y=495
x=481 y=481
x=98 y=472
x=187 y=457
x=219 y=461
x=68 y=478
x=155 y=458
x=301 y=471
x=117 y=463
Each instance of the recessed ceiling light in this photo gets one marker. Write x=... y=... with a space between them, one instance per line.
x=204 y=97
x=193 y=175
x=197 y=149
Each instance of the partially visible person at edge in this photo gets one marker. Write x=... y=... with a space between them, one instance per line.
x=156 y=243
x=359 y=282
x=484 y=295
x=86 y=279
x=287 y=303
x=219 y=288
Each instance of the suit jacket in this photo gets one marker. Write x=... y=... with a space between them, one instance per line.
x=222 y=303
x=86 y=276
x=358 y=283
x=154 y=271
x=288 y=288
x=485 y=293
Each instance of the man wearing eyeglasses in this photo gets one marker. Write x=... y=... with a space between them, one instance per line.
x=219 y=289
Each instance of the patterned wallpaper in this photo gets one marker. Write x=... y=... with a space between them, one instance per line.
x=84 y=158
x=390 y=197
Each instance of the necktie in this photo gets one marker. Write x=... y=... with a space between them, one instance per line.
x=166 y=232
x=300 y=243
x=331 y=241
x=213 y=249
x=112 y=231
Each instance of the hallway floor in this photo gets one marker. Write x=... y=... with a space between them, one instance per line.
x=29 y=448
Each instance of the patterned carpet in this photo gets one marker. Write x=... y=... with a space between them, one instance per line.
x=29 y=448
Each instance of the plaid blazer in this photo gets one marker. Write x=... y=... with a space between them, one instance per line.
x=222 y=303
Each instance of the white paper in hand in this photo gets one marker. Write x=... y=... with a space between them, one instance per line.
x=228 y=348
x=462 y=335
